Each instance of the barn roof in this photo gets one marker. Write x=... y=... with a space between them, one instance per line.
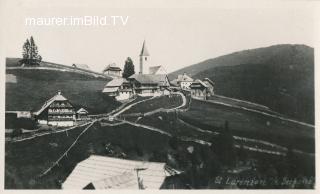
x=111 y=89
x=160 y=79
x=57 y=97
x=116 y=82
x=127 y=180
x=101 y=170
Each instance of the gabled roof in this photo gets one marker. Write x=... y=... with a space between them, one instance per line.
x=198 y=83
x=185 y=78
x=57 y=97
x=209 y=80
x=99 y=170
x=154 y=69
x=116 y=82
x=157 y=70
x=127 y=180
x=82 y=110
x=144 y=50
x=160 y=79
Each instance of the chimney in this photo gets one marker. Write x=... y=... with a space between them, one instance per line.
x=59 y=92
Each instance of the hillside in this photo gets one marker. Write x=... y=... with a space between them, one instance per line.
x=280 y=77
x=28 y=88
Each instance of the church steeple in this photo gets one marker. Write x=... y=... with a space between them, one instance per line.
x=144 y=59
x=144 y=50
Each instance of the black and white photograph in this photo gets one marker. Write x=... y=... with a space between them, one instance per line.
x=161 y=95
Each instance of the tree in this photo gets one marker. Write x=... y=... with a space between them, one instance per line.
x=30 y=55
x=128 y=68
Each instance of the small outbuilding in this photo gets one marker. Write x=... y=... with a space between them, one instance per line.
x=82 y=114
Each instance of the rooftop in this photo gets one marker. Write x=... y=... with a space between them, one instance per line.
x=107 y=172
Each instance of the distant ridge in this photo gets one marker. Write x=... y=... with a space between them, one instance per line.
x=12 y=63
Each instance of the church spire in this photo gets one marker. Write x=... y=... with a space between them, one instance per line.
x=144 y=50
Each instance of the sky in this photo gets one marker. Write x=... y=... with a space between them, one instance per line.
x=177 y=35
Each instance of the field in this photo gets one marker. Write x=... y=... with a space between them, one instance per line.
x=137 y=143
x=165 y=102
x=25 y=160
x=210 y=116
x=33 y=87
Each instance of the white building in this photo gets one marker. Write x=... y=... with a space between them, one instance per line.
x=119 y=88
x=183 y=81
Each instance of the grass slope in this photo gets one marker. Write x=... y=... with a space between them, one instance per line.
x=210 y=116
x=34 y=86
x=280 y=77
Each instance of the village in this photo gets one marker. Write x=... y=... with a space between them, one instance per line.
x=150 y=81
x=154 y=134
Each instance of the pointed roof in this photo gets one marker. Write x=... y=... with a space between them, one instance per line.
x=82 y=110
x=144 y=50
x=184 y=77
x=154 y=69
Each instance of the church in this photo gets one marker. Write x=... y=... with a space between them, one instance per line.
x=151 y=80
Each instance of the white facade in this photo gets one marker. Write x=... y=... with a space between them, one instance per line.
x=144 y=60
x=124 y=96
x=61 y=123
x=185 y=85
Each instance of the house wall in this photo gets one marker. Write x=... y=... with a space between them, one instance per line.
x=199 y=93
x=185 y=85
x=124 y=95
x=43 y=122
x=61 y=123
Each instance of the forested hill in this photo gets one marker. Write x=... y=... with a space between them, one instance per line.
x=280 y=77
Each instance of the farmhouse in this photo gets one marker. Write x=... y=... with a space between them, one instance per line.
x=150 y=85
x=183 y=81
x=57 y=111
x=119 y=88
x=101 y=172
x=112 y=70
x=210 y=85
x=201 y=89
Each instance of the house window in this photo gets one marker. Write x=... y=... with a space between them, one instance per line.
x=145 y=58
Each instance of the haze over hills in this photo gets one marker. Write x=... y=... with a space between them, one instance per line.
x=280 y=77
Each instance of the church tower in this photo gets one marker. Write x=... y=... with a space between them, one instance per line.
x=144 y=60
